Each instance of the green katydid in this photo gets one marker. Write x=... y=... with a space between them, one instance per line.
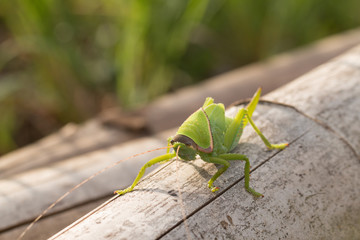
x=207 y=133
x=211 y=135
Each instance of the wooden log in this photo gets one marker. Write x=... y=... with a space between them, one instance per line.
x=311 y=188
x=71 y=141
x=37 y=186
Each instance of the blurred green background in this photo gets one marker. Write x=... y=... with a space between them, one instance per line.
x=65 y=60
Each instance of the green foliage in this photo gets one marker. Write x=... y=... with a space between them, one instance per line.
x=64 y=61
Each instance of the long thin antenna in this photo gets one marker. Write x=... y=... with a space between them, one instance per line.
x=79 y=185
x=182 y=206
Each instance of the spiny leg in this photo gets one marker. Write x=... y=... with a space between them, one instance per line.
x=267 y=143
x=217 y=160
x=169 y=146
x=142 y=171
x=235 y=156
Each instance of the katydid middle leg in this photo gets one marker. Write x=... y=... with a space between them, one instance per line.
x=235 y=156
x=221 y=161
x=153 y=161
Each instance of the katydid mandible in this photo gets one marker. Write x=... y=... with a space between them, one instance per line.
x=211 y=135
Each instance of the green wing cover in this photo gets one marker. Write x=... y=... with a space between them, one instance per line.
x=252 y=105
x=196 y=127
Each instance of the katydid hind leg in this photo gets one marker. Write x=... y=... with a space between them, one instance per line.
x=153 y=161
x=235 y=156
x=252 y=105
x=207 y=102
x=234 y=130
x=263 y=138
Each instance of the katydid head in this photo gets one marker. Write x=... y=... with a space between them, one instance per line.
x=185 y=147
x=191 y=146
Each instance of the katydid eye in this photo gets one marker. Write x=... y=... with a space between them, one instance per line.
x=184 y=140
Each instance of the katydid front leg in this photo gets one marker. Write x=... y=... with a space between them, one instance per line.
x=153 y=161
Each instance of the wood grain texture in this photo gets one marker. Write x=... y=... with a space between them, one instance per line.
x=70 y=141
x=311 y=188
x=37 y=186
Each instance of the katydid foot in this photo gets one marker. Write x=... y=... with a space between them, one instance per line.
x=278 y=146
x=122 y=192
x=213 y=189
x=254 y=193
